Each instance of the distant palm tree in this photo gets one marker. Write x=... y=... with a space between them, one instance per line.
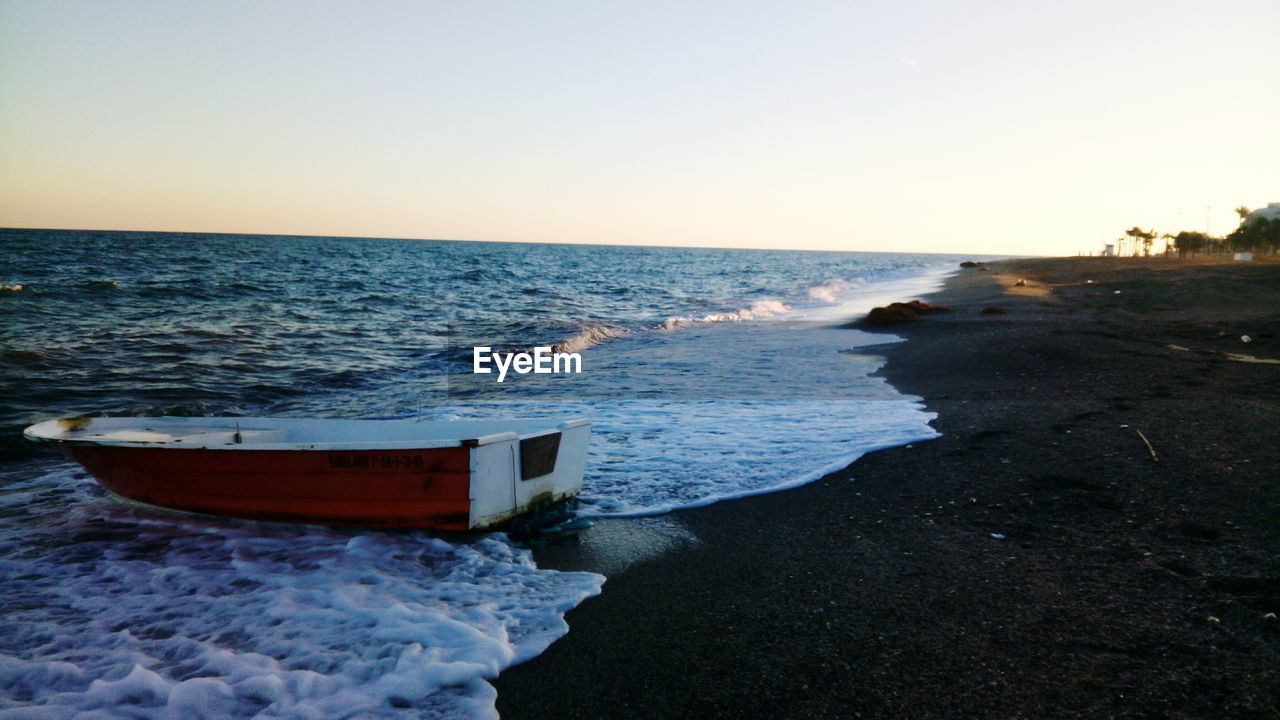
x=1135 y=233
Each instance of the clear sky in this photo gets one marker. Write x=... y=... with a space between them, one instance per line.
x=917 y=126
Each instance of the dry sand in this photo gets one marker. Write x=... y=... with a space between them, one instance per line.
x=1124 y=585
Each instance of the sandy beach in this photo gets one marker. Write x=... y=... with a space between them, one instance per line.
x=1094 y=535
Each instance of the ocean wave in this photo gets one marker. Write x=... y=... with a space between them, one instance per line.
x=759 y=310
x=589 y=336
x=827 y=292
x=595 y=333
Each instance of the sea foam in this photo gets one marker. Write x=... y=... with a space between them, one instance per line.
x=114 y=610
x=830 y=292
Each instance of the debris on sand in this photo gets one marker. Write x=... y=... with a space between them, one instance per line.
x=1241 y=357
x=1150 y=449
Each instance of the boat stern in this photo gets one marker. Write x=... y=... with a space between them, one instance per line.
x=515 y=474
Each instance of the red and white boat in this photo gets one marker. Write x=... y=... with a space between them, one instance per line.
x=379 y=473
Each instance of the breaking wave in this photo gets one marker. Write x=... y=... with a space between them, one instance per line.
x=758 y=310
x=587 y=337
x=827 y=292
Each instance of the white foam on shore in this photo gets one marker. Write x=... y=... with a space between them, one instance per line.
x=857 y=299
x=727 y=450
x=113 y=610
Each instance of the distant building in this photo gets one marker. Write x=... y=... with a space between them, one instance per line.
x=1270 y=212
x=1109 y=250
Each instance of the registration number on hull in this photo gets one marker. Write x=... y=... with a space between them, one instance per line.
x=376 y=462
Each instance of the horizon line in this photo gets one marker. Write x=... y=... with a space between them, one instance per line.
x=504 y=242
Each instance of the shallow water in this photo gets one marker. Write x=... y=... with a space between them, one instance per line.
x=709 y=374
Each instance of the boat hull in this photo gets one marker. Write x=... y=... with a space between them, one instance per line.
x=426 y=488
x=452 y=476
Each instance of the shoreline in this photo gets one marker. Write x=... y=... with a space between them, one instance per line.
x=1119 y=586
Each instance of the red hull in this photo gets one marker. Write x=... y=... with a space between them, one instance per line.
x=427 y=488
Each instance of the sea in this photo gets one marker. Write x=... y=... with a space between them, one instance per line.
x=710 y=374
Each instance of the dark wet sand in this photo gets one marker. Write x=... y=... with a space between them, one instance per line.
x=1123 y=586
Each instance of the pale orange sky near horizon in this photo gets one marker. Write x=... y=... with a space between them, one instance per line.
x=925 y=127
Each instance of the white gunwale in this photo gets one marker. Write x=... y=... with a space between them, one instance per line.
x=288 y=434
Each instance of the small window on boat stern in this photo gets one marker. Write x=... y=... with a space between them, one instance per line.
x=538 y=455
